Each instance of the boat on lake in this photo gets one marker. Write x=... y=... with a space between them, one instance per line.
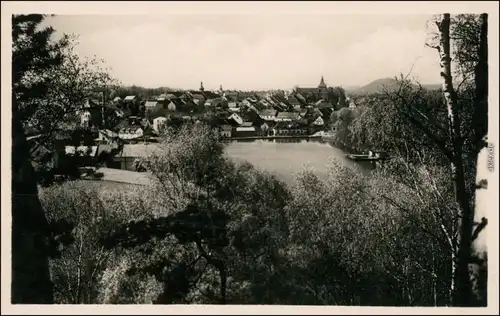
x=371 y=156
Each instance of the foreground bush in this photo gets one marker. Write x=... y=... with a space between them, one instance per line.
x=209 y=230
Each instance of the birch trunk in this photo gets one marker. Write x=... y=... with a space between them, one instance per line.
x=462 y=293
x=479 y=246
x=31 y=282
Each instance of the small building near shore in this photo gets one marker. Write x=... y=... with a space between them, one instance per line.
x=128 y=156
x=288 y=129
x=246 y=131
x=226 y=131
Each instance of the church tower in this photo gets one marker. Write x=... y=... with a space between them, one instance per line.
x=322 y=89
x=322 y=84
x=201 y=87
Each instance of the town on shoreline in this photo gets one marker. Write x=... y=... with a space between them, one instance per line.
x=115 y=129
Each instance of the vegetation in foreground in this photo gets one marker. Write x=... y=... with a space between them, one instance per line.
x=213 y=231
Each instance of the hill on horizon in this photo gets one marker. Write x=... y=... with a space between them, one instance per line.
x=378 y=85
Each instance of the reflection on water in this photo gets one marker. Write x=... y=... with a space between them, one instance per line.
x=285 y=157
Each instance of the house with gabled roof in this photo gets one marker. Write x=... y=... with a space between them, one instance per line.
x=131 y=132
x=149 y=105
x=106 y=136
x=268 y=115
x=130 y=98
x=287 y=116
x=129 y=154
x=245 y=131
x=294 y=102
x=176 y=105
x=319 y=121
x=235 y=118
x=215 y=102
x=301 y=98
x=226 y=131
x=247 y=124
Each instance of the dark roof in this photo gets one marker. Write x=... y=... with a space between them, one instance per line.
x=278 y=107
x=307 y=90
x=324 y=104
x=293 y=100
x=259 y=106
x=130 y=129
x=198 y=96
x=317 y=112
x=268 y=112
x=300 y=97
x=178 y=93
x=226 y=127
x=288 y=115
x=178 y=102
x=210 y=95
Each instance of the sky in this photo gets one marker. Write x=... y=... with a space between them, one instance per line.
x=254 y=51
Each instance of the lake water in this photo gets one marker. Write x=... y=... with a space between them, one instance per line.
x=286 y=157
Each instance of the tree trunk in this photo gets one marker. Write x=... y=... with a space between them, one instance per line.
x=462 y=293
x=31 y=282
x=480 y=118
x=480 y=121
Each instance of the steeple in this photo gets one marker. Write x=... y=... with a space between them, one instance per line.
x=201 y=87
x=322 y=83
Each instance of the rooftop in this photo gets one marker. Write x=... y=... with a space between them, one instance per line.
x=268 y=112
x=150 y=104
x=140 y=150
x=288 y=115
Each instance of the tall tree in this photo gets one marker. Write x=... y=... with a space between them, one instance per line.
x=480 y=127
x=464 y=147
x=33 y=55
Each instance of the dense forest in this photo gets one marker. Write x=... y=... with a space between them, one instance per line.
x=213 y=231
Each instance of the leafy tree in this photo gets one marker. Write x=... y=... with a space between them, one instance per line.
x=341 y=121
x=72 y=84
x=337 y=97
x=79 y=266
x=207 y=204
x=446 y=131
x=33 y=55
x=471 y=41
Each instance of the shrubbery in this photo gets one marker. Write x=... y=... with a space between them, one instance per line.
x=212 y=231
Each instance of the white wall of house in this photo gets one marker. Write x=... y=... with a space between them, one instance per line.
x=159 y=123
x=319 y=121
x=171 y=106
x=131 y=134
x=236 y=118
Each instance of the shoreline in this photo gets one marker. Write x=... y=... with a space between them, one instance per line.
x=272 y=137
